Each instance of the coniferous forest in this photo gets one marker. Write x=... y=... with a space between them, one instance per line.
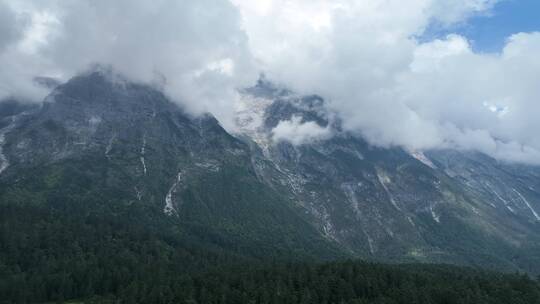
x=47 y=256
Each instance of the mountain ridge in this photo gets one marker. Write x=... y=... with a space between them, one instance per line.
x=119 y=144
x=418 y=191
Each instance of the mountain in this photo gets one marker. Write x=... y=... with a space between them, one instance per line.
x=97 y=143
x=392 y=204
x=110 y=174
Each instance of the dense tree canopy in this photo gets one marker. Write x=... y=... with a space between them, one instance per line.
x=47 y=256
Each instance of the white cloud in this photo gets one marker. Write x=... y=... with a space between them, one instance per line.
x=15 y=74
x=198 y=46
x=395 y=90
x=362 y=56
x=11 y=27
x=298 y=132
x=454 y=91
x=450 y=12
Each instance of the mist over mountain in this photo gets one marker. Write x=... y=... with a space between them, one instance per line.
x=231 y=151
x=370 y=201
x=372 y=62
x=102 y=150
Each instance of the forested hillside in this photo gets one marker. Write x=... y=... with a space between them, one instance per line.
x=111 y=192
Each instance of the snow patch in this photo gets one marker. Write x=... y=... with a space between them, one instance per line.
x=296 y=182
x=420 y=156
x=384 y=180
x=327 y=227
x=436 y=218
x=94 y=120
x=350 y=193
x=210 y=166
x=411 y=221
x=138 y=193
x=370 y=243
x=169 y=207
x=110 y=145
x=527 y=204
x=249 y=120
x=4 y=162
x=505 y=202
x=143 y=150
x=143 y=164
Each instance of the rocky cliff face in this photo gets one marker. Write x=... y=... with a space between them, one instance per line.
x=100 y=142
x=443 y=206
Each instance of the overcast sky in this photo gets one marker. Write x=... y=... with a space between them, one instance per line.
x=398 y=72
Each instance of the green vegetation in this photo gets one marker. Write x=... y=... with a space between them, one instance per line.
x=126 y=256
x=111 y=260
x=71 y=232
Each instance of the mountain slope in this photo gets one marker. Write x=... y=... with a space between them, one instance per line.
x=102 y=151
x=98 y=146
x=391 y=204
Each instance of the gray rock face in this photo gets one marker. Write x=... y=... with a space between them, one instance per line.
x=125 y=124
x=443 y=206
x=101 y=138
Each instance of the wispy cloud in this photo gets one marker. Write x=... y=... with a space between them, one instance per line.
x=361 y=56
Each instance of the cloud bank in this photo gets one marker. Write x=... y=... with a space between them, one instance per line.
x=197 y=46
x=364 y=57
x=298 y=132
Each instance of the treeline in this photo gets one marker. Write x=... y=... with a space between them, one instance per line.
x=108 y=256
x=338 y=282
x=359 y=282
x=47 y=255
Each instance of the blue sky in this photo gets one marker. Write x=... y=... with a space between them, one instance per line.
x=488 y=33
